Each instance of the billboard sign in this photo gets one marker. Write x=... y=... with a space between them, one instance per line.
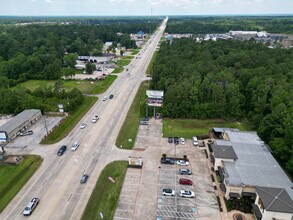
x=3 y=136
x=155 y=98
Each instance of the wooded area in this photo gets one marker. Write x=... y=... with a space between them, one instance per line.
x=232 y=80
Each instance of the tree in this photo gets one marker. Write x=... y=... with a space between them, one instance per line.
x=90 y=68
x=70 y=60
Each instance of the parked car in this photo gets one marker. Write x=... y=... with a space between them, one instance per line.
x=184 y=181
x=168 y=192
x=186 y=193
x=83 y=125
x=75 y=145
x=25 y=133
x=170 y=140
x=185 y=171
x=105 y=98
x=182 y=162
x=167 y=160
x=31 y=206
x=182 y=141
x=195 y=141
x=61 y=150
x=84 y=178
x=176 y=140
x=111 y=96
x=95 y=119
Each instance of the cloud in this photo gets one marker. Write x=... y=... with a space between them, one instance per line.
x=174 y=2
x=49 y=1
x=123 y=1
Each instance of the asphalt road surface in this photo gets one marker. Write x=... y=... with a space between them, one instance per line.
x=56 y=182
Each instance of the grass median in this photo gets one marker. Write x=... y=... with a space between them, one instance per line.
x=187 y=128
x=123 y=62
x=151 y=65
x=130 y=126
x=117 y=70
x=13 y=178
x=70 y=122
x=105 y=195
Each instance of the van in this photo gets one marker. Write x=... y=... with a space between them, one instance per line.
x=195 y=141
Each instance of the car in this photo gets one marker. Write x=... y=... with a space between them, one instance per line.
x=195 y=141
x=75 y=145
x=83 y=125
x=167 y=160
x=184 y=181
x=61 y=150
x=168 y=192
x=182 y=162
x=95 y=119
x=182 y=141
x=31 y=206
x=25 y=133
x=186 y=193
x=176 y=140
x=185 y=171
x=111 y=96
x=84 y=178
x=105 y=98
x=170 y=140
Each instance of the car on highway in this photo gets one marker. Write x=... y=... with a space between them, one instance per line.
x=168 y=192
x=186 y=193
x=31 y=206
x=170 y=140
x=176 y=140
x=167 y=160
x=182 y=141
x=182 y=162
x=83 y=125
x=111 y=96
x=75 y=145
x=84 y=178
x=61 y=150
x=184 y=181
x=105 y=98
x=185 y=171
x=95 y=119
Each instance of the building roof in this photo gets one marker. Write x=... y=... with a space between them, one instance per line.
x=224 y=151
x=19 y=120
x=220 y=130
x=275 y=199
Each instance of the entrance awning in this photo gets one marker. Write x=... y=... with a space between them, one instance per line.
x=234 y=195
x=257 y=212
x=249 y=194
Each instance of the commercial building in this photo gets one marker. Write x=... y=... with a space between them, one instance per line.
x=247 y=168
x=19 y=123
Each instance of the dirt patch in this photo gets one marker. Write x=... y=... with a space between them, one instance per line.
x=13 y=160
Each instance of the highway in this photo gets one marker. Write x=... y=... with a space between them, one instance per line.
x=56 y=182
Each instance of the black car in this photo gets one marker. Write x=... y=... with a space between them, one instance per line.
x=167 y=160
x=61 y=150
x=170 y=140
x=176 y=140
x=84 y=178
x=111 y=97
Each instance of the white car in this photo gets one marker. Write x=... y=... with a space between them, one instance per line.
x=168 y=192
x=30 y=207
x=95 y=119
x=83 y=125
x=186 y=193
x=182 y=141
x=105 y=98
x=182 y=162
x=75 y=145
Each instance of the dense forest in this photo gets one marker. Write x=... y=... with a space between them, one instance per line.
x=233 y=80
x=223 y=24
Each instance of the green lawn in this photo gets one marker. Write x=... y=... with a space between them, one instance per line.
x=105 y=195
x=130 y=126
x=128 y=57
x=86 y=87
x=150 y=67
x=68 y=124
x=123 y=62
x=135 y=51
x=118 y=70
x=191 y=127
x=13 y=178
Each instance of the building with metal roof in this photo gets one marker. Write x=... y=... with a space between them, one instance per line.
x=19 y=123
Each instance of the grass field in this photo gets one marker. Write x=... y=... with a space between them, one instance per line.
x=123 y=62
x=118 y=70
x=130 y=126
x=105 y=195
x=150 y=67
x=86 y=87
x=13 y=178
x=134 y=52
x=68 y=124
x=191 y=127
x=128 y=57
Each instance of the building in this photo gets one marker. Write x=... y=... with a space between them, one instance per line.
x=19 y=123
x=247 y=168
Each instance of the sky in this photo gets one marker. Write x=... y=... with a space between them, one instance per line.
x=143 y=7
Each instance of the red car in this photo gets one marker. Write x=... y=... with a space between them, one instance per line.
x=184 y=181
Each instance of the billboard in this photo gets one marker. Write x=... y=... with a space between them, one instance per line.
x=155 y=98
x=3 y=136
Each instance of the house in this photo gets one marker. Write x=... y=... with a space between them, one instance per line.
x=107 y=45
x=247 y=168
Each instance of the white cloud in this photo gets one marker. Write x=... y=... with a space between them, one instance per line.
x=123 y=1
x=49 y=1
x=174 y=2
